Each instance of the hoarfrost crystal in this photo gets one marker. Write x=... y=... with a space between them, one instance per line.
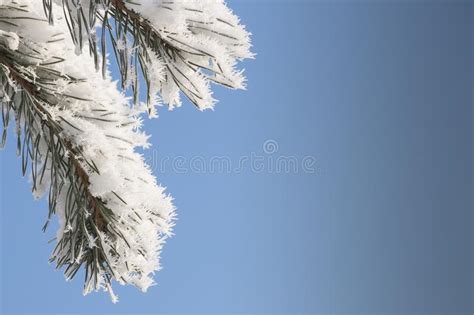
x=78 y=131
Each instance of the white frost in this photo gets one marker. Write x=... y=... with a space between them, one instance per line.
x=10 y=39
x=100 y=120
x=201 y=42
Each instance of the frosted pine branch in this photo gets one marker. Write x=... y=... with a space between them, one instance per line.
x=180 y=45
x=77 y=133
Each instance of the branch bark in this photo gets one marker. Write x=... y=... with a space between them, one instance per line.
x=29 y=87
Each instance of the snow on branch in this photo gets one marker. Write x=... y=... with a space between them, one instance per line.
x=78 y=134
x=180 y=45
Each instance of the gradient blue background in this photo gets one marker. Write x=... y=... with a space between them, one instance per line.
x=381 y=93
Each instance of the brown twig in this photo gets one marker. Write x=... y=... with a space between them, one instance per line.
x=30 y=88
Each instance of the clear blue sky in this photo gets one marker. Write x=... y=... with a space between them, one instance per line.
x=380 y=94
